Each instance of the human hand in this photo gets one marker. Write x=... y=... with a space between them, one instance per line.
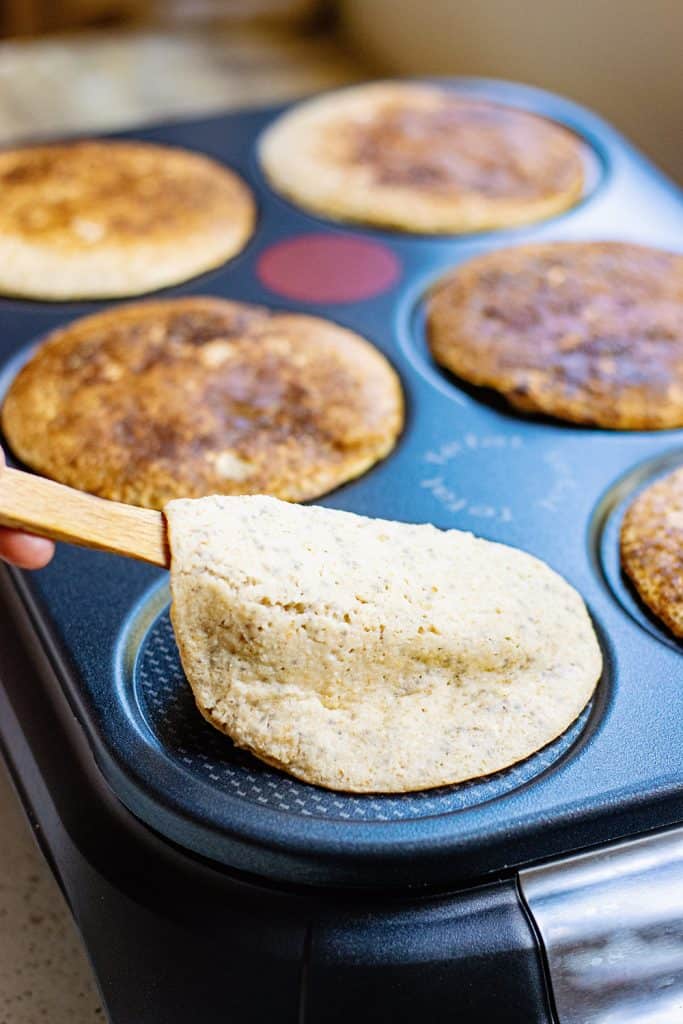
x=23 y=549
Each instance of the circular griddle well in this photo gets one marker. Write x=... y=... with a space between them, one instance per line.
x=158 y=692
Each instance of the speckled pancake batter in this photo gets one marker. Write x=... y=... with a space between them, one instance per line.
x=652 y=548
x=373 y=656
x=108 y=218
x=422 y=158
x=159 y=400
x=590 y=332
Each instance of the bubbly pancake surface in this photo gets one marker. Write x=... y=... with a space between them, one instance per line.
x=186 y=397
x=652 y=548
x=110 y=218
x=590 y=332
x=422 y=158
x=373 y=656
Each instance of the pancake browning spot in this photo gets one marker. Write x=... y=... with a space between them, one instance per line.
x=422 y=158
x=590 y=332
x=187 y=397
x=463 y=146
x=652 y=548
x=107 y=218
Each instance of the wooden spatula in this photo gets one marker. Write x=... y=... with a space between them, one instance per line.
x=51 y=510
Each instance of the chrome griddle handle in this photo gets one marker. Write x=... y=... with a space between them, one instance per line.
x=611 y=922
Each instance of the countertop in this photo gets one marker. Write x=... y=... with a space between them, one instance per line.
x=45 y=977
x=95 y=83
x=101 y=82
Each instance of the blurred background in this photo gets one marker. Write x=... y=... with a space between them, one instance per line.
x=80 y=65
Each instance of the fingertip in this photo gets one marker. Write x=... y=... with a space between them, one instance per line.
x=24 y=550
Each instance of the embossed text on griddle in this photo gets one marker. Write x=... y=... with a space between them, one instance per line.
x=449 y=493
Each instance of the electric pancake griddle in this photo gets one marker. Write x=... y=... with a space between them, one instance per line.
x=212 y=887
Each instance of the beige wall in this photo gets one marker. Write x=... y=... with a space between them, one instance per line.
x=624 y=58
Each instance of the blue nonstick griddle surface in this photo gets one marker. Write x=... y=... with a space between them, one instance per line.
x=465 y=460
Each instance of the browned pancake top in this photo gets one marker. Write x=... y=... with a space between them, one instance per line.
x=187 y=397
x=652 y=548
x=589 y=332
x=462 y=147
x=85 y=194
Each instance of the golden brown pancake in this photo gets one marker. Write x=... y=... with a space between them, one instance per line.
x=590 y=332
x=188 y=397
x=108 y=218
x=652 y=548
x=422 y=158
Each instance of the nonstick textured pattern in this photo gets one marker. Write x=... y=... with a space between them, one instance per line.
x=169 y=709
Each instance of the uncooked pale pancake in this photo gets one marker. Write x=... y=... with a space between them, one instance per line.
x=422 y=158
x=101 y=219
x=373 y=656
x=590 y=332
x=652 y=548
x=160 y=400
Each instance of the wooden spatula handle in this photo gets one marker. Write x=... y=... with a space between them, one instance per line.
x=51 y=510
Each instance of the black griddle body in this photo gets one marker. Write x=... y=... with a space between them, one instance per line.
x=196 y=903
x=174 y=938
